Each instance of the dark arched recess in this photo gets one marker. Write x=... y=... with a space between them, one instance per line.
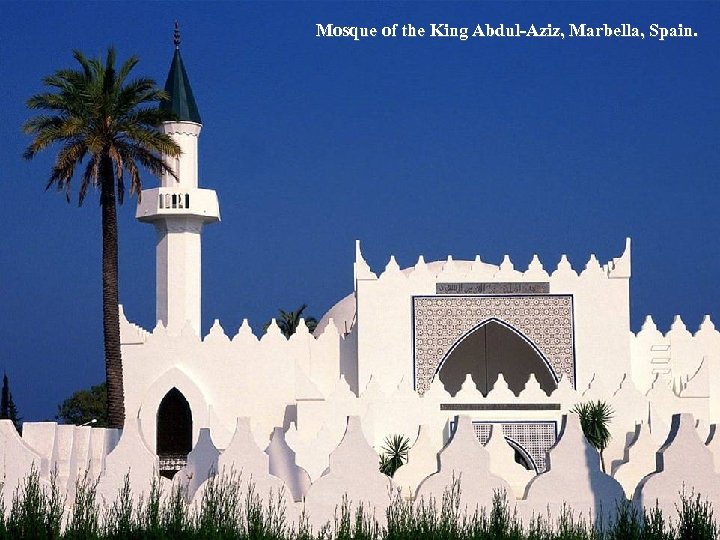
x=174 y=432
x=493 y=348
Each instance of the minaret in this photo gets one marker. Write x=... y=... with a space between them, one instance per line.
x=179 y=209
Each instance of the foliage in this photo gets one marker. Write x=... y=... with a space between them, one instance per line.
x=229 y=510
x=36 y=512
x=84 y=406
x=695 y=519
x=83 y=521
x=8 y=409
x=290 y=320
x=95 y=112
x=394 y=454
x=595 y=418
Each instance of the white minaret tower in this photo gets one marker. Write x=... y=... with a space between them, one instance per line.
x=179 y=209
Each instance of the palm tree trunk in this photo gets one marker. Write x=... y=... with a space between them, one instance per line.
x=111 y=316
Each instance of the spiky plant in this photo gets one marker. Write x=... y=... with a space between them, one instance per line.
x=394 y=454
x=595 y=418
x=95 y=112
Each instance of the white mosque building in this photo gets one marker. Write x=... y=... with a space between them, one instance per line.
x=406 y=347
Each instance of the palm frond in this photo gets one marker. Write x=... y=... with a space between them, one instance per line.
x=394 y=454
x=90 y=178
x=595 y=418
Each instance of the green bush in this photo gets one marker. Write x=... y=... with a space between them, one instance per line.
x=231 y=509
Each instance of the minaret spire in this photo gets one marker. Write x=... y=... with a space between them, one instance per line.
x=181 y=104
x=179 y=208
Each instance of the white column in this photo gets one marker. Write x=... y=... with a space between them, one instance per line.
x=178 y=272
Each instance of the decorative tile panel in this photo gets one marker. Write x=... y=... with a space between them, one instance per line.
x=536 y=438
x=440 y=322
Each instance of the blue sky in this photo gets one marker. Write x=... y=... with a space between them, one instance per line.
x=415 y=146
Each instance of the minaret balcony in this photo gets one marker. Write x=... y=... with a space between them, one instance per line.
x=168 y=202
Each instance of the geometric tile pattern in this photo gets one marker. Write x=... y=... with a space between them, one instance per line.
x=536 y=438
x=546 y=321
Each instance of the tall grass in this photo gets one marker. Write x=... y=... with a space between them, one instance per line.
x=231 y=509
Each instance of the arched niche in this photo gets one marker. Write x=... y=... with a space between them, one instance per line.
x=174 y=432
x=489 y=349
x=173 y=378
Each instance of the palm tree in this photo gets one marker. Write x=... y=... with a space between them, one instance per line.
x=290 y=320
x=595 y=417
x=94 y=112
x=394 y=454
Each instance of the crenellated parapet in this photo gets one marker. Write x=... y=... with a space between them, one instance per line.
x=677 y=356
x=463 y=270
x=223 y=374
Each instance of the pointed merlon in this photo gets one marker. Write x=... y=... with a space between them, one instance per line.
x=245 y=326
x=620 y=267
x=564 y=268
x=564 y=264
x=678 y=324
x=244 y=332
x=216 y=326
x=361 y=267
x=506 y=263
x=217 y=331
x=649 y=324
x=535 y=264
x=302 y=328
x=331 y=329
x=707 y=324
x=273 y=329
x=593 y=263
x=449 y=266
x=392 y=265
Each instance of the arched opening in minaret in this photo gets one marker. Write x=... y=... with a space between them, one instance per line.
x=174 y=432
x=488 y=350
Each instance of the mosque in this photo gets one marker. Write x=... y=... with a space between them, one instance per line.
x=406 y=347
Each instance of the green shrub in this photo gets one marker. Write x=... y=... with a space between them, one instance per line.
x=36 y=512
x=695 y=519
x=231 y=509
x=83 y=522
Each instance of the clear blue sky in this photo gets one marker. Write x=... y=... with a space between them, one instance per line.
x=424 y=146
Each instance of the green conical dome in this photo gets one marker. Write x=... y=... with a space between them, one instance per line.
x=182 y=103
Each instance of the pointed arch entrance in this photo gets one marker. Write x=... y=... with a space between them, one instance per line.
x=174 y=432
x=442 y=322
x=491 y=348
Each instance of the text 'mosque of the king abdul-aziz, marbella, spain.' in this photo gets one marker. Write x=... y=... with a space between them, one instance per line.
x=514 y=30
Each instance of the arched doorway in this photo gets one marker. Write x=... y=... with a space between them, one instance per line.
x=490 y=349
x=174 y=432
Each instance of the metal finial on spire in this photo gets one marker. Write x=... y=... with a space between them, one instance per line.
x=177 y=35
